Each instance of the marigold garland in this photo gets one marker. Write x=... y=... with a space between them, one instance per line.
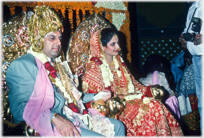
x=24 y=8
x=43 y=58
x=83 y=14
x=107 y=15
x=63 y=11
x=77 y=17
x=70 y=15
x=12 y=9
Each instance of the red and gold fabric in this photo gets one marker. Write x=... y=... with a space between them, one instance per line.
x=192 y=120
x=141 y=118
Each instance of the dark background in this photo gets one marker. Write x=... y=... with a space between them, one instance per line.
x=155 y=27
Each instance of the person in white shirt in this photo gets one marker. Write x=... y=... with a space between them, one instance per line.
x=191 y=38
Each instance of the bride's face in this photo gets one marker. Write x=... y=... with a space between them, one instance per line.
x=112 y=47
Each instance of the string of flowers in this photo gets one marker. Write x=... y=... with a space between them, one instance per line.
x=55 y=80
x=24 y=8
x=63 y=10
x=111 y=18
x=107 y=15
x=77 y=17
x=91 y=12
x=108 y=76
x=12 y=9
x=70 y=15
x=83 y=14
x=66 y=5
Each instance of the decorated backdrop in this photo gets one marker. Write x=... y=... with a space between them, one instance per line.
x=116 y=12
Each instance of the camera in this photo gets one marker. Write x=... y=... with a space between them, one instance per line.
x=189 y=37
x=196 y=27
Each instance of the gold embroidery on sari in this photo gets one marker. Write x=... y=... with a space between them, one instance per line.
x=142 y=112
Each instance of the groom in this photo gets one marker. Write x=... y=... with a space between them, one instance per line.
x=39 y=98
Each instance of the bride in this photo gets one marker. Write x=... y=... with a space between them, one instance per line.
x=143 y=115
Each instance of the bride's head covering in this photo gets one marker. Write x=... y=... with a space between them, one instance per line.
x=79 y=50
x=99 y=40
x=95 y=43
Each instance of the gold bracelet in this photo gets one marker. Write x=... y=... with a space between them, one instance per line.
x=53 y=117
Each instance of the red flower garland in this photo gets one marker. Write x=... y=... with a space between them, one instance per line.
x=108 y=88
x=73 y=107
x=97 y=60
x=85 y=112
x=53 y=73
x=52 y=70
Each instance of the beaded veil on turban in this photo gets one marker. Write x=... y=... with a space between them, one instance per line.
x=42 y=22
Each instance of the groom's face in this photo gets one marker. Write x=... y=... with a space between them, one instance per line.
x=52 y=44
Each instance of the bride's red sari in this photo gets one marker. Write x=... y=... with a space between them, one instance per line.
x=150 y=118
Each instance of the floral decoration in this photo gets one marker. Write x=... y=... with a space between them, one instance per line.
x=97 y=60
x=73 y=107
x=52 y=70
x=108 y=76
x=118 y=19
x=111 y=5
x=85 y=112
x=44 y=59
x=131 y=97
x=112 y=11
x=146 y=100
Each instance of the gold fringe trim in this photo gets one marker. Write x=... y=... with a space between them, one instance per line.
x=66 y=81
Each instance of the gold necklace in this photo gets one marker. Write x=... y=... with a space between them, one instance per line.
x=111 y=65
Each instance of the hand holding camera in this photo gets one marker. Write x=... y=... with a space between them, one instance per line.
x=182 y=41
x=195 y=36
x=198 y=39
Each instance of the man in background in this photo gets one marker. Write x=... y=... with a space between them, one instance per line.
x=191 y=38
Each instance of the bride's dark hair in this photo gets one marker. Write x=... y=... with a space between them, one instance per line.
x=107 y=34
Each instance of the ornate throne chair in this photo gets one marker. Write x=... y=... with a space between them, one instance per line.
x=14 y=44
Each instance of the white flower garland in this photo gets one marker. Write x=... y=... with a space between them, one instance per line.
x=118 y=18
x=146 y=100
x=117 y=5
x=108 y=76
x=43 y=58
x=132 y=97
x=106 y=72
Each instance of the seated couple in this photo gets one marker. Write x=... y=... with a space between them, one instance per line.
x=45 y=97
